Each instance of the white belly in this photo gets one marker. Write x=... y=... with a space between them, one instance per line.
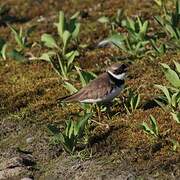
x=108 y=98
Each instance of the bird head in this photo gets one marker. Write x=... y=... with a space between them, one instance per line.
x=118 y=71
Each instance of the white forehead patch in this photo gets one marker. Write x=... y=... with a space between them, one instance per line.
x=117 y=76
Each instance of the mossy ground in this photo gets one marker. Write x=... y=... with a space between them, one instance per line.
x=28 y=94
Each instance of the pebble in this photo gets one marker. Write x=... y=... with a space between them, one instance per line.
x=29 y=140
x=26 y=178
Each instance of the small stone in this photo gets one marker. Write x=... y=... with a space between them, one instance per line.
x=26 y=178
x=29 y=140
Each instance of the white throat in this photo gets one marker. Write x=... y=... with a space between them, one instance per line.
x=119 y=76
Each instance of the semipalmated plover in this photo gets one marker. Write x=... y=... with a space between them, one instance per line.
x=104 y=88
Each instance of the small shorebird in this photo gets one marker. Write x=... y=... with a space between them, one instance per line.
x=103 y=89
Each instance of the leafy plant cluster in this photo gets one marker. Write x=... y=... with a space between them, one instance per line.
x=169 y=101
x=136 y=41
x=73 y=133
x=171 y=94
x=132 y=102
x=58 y=55
x=153 y=128
x=59 y=49
x=169 y=21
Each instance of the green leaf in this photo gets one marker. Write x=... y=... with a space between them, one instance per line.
x=18 y=36
x=75 y=15
x=60 y=66
x=130 y=24
x=171 y=30
x=70 y=87
x=83 y=82
x=85 y=77
x=162 y=49
x=49 y=41
x=103 y=19
x=3 y=51
x=160 y=104
x=115 y=39
x=144 y=29
x=158 y=2
x=46 y=56
x=165 y=91
x=76 y=129
x=82 y=122
x=66 y=38
x=76 y=31
x=71 y=129
x=177 y=65
x=146 y=128
x=175 y=98
x=71 y=56
x=61 y=24
x=176 y=117
x=136 y=101
x=16 y=55
x=154 y=125
x=88 y=76
x=171 y=75
x=68 y=126
x=155 y=47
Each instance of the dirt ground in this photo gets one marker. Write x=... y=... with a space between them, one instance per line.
x=28 y=94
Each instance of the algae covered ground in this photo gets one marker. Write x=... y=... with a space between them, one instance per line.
x=29 y=90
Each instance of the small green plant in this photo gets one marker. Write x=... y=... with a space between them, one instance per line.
x=68 y=32
x=114 y=21
x=169 y=97
x=63 y=64
x=137 y=29
x=72 y=134
x=170 y=23
x=176 y=116
x=134 y=43
x=172 y=94
x=153 y=129
x=132 y=102
x=158 y=50
x=21 y=38
x=173 y=76
x=3 y=46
